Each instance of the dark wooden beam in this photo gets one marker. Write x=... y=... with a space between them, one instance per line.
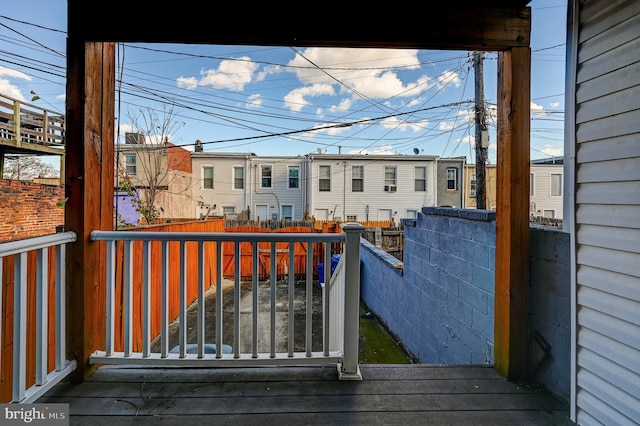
x=89 y=191
x=457 y=27
x=512 y=213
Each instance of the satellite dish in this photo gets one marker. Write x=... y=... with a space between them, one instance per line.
x=416 y=151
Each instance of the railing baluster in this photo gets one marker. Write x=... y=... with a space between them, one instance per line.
x=146 y=299
x=61 y=317
x=164 y=332
x=182 y=331
x=219 y=297
x=111 y=291
x=309 y=311
x=254 y=263
x=236 y=299
x=327 y=299
x=42 y=314
x=292 y=275
x=274 y=294
x=128 y=298
x=19 y=326
x=350 y=367
x=201 y=301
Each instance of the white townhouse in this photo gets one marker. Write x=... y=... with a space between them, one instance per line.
x=370 y=187
x=227 y=184
x=546 y=192
x=220 y=182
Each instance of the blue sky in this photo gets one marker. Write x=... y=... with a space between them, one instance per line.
x=294 y=101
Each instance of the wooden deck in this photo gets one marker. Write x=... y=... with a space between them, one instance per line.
x=412 y=394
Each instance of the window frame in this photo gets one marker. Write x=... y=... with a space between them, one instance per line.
x=324 y=178
x=128 y=165
x=422 y=180
x=560 y=189
x=296 y=178
x=391 y=181
x=204 y=168
x=235 y=178
x=356 y=179
x=262 y=175
x=454 y=179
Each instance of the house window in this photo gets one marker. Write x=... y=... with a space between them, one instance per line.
x=294 y=176
x=287 y=212
x=265 y=173
x=238 y=178
x=130 y=164
x=473 y=185
x=531 y=185
x=207 y=177
x=556 y=184
x=324 y=179
x=412 y=214
x=357 y=178
x=421 y=179
x=228 y=211
x=389 y=175
x=352 y=218
x=452 y=179
x=549 y=214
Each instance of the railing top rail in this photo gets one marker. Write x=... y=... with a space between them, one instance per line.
x=216 y=236
x=20 y=246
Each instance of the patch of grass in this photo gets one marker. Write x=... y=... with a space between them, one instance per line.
x=377 y=346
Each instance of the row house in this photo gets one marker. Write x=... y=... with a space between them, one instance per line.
x=325 y=186
x=546 y=188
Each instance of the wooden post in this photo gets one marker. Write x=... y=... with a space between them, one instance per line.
x=512 y=218
x=89 y=191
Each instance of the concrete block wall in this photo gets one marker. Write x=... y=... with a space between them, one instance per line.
x=439 y=302
x=550 y=306
x=29 y=209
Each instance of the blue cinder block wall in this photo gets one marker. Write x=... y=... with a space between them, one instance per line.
x=439 y=302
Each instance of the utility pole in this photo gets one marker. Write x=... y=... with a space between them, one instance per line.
x=482 y=135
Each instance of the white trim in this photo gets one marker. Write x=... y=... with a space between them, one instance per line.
x=569 y=213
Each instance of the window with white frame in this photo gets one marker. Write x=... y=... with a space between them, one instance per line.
x=357 y=178
x=412 y=214
x=130 y=164
x=556 y=184
x=452 y=179
x=238 y=178
x=472 y=185
x=293 y=172
x=389 y=177
x=352 y=218
x=265 y=176
x=207 y=177
x=420 y=179
x=287 y=212
x=229 y=211
x=532 y=185
x=324 y=178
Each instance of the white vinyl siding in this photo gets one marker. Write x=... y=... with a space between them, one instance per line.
x=607 y=212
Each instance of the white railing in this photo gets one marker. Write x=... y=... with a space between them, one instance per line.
x=340 y=302
x=44 y=378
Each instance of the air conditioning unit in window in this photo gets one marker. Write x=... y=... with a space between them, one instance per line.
x=390 y=188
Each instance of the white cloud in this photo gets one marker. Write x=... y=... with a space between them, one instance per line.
x=231 y=74
x=445 y=125
x=397 y=124
x=7 y=87
x=383 y=150
x=538 y=109
x=295 y=100
x=369 y=73
x=554 y=104
x=255 y=101
x=552 y=151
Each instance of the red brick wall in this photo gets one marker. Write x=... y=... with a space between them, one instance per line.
x=29 y=209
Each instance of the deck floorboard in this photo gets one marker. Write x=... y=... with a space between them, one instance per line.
x=412 y=394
